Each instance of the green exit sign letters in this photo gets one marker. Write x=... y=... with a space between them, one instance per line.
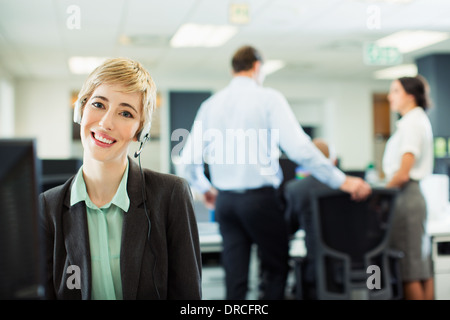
x=381 y=56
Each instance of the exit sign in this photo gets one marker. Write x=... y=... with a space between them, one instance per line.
x=381 y=56
x=239 y=13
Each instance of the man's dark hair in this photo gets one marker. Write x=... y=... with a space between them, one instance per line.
x=244 y=58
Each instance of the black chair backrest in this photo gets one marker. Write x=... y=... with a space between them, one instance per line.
x=351 y=227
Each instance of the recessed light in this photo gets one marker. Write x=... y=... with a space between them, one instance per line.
x=84 y=65
x=403 y=70
x=270 y=66
x=408 y=41
x=196 y=35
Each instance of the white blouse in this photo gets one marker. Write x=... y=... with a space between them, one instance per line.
x=413 y=135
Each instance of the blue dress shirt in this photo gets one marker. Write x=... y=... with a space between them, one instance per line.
x=239 y=132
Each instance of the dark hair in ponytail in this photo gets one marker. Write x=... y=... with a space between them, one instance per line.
x=418 y=87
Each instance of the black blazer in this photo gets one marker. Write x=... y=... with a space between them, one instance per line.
x=166 y=267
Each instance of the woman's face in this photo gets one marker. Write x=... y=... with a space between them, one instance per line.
x=110 y=121
x=398 y=98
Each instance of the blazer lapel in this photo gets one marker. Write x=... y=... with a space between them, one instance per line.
x=77 y=240
x=134 y=235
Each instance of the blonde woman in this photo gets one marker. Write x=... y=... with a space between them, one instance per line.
x=114 y=231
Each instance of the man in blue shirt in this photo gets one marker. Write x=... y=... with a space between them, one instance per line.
x=239 y=132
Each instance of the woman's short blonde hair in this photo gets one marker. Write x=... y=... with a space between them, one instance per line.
x=125 y=72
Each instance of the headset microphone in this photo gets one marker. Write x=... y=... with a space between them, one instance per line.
x=143 y=137
x=144 y=140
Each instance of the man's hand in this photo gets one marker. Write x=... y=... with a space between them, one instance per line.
x=209 y=198
x=357 y=187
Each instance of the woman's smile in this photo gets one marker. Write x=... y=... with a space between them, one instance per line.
x=102 y=140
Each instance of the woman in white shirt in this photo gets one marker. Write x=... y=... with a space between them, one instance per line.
x=408 y=158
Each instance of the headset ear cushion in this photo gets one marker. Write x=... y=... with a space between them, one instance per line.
x=77 y=112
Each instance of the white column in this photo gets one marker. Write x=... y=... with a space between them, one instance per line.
x=6 y=109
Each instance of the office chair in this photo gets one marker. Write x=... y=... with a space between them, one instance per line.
x=352 y=255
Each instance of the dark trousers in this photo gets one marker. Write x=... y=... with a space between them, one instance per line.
x=254 y=217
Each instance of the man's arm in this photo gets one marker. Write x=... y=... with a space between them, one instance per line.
x=299 y=147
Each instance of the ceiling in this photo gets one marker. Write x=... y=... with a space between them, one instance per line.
x=316 y=38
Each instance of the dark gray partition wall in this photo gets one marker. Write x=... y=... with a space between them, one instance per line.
x=436 y=69
x=183 y=109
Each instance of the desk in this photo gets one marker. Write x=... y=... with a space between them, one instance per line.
x=210 y=238
x=439 y=230
x=437 y=227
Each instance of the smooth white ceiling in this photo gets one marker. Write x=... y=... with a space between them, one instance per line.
x=316 y=38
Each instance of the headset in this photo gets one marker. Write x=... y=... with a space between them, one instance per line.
x=143 y=136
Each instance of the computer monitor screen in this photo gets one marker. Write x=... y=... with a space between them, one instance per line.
x=20 y=252
x=57 y=171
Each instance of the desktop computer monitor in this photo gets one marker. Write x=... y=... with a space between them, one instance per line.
x=57 y=171
x=20 y=250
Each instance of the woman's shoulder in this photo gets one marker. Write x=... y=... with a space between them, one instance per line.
x=160 y=178
x=155 y=182
x=53 y=200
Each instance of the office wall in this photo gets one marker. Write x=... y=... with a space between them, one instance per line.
x=346 y=111
x=435 y=68
x=6 y=107
x=42 y=109
x=6 y=103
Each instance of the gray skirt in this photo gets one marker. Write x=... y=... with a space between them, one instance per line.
x=409 y=233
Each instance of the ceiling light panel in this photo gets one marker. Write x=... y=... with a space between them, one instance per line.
x=208 y=35
x=84 y=65
x=408 y=41
x=271 y=66
x=404 y=70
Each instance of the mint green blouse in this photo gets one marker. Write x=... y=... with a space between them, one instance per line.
x=105 y=234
